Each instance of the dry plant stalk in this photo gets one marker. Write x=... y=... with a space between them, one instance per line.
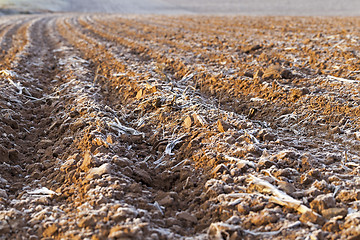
x=342 y=79
x=279 y=196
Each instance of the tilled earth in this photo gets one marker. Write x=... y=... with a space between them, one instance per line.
x=158 y=127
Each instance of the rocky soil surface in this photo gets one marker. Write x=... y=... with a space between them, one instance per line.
x=158 y=127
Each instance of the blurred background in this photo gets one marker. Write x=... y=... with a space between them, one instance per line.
x=219 y=7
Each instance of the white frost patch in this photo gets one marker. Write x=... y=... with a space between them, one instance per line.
x=42 y=191
x=8 y=73
x=257 y=99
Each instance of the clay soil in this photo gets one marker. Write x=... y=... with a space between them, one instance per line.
x=159 y=127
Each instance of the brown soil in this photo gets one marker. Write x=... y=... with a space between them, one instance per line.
x=158 y=127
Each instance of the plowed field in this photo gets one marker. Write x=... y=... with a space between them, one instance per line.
x=159 y=127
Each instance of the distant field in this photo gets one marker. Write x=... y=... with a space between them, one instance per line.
x=242 y=7
x=33 y=5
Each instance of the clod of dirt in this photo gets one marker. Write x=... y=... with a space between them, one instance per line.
x=106 y=168
x=276 y=72
x=222 y=230
x=185 y=216
x=323 y=202
x=4 y=154
x=249 y=49
x=312 y=217
x=88 y=162
x=223 y=126
x=334 y=212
